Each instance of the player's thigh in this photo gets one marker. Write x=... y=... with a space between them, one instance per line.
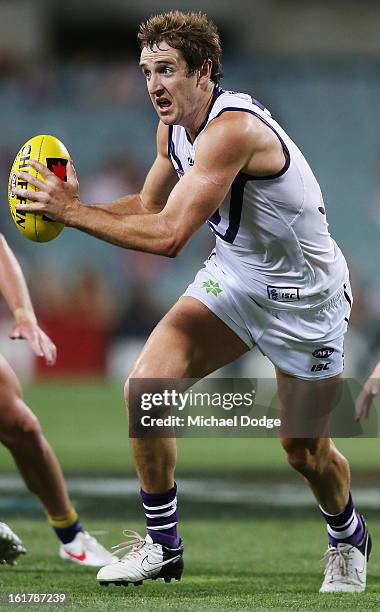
x=305 y=409
x=189 y=342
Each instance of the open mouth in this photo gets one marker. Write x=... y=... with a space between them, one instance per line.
x=163 y=103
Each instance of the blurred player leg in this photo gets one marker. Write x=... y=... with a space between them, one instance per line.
x=21 y=433
x=327 y=473
x=189 y=342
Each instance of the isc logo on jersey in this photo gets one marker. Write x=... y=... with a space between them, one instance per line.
x=51 y=152
x=283 y=294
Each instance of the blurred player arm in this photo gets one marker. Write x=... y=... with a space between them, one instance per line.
x=158 y=184
x=16 y=294
x=13 y=285
x=366 y=396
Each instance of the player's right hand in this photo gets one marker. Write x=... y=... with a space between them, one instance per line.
x=38 y=340
x=365 y=398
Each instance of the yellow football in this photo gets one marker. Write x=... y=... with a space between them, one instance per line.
x=50 y=152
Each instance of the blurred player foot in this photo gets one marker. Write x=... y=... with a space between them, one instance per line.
x=145 y=560
x=11 y=546
x=84 y=549
x=346 y=567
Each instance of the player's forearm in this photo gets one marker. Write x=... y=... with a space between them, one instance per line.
x=127 y=205
x=151 y=233
x=13 y=285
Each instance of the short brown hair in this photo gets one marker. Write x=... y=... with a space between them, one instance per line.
x=191 y=33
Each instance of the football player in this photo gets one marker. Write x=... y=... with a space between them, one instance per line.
x=278 y=280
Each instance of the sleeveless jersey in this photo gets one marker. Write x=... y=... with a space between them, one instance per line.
x=271 y=232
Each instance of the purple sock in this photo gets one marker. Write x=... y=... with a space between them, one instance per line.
x=347 y=527
x=161 y=516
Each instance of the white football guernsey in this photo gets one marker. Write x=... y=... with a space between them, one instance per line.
x=271 y=231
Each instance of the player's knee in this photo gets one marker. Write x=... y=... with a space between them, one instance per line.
x=127 y=392
x=305 y=456
x=129 y=406
x=297 y=457
x=138 y=372
x=20 y=427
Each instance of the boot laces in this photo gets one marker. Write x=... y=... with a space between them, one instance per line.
x=133 y=544
x=337 y=561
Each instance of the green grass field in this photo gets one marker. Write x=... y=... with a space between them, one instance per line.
x=256 y=559
x=234 y=565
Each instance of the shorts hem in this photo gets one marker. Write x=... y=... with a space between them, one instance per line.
x=323 y=377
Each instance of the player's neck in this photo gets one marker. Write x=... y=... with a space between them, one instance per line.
x=200 y=114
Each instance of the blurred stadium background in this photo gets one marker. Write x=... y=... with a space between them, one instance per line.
x=70 y=69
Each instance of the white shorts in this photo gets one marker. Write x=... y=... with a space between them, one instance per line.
x=307 y=344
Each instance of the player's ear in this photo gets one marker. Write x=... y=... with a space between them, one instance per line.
x=205 y=72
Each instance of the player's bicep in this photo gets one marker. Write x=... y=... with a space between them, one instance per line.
x=159 y=183
x=200 y=192
x=162 y=177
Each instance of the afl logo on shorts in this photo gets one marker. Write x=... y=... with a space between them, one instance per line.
x=323 y=353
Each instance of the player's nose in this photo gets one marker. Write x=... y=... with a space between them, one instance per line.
x=154 y=84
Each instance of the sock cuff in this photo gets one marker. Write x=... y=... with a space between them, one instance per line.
x=166 y=497
x=346 y=531
x=66 y=520
x=346 y=512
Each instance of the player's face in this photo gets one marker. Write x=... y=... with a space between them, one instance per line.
x=173 y=92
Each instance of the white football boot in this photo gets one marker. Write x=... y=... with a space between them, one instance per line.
x=346 y=567
x=86 y=550
x=11 y=546
x=145 y=560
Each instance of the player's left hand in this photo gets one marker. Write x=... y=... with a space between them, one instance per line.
x=56 y=198
x=365 y=398
x=38 y=340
